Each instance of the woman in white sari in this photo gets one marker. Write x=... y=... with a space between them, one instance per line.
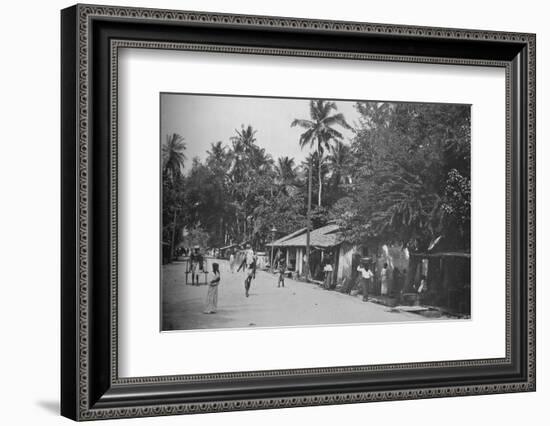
x=212 y=295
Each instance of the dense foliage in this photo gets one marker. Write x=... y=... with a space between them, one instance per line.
x=403 y=177
x=410 y=175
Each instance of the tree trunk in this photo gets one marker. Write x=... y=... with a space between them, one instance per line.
x=244 y=227
x=319 y=172
x=320 y=183
x=308 y=221
x=172 y=243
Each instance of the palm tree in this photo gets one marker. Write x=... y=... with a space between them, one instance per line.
x=286 y=174
x=339 y=160
x=173 y=156
x=244 y=139
x=312 y=161
x=219 y=160
x=217 y=154
x=249 y=163
x=173 y=159
x=260 y=160
x=320 y=132
x=243 y=142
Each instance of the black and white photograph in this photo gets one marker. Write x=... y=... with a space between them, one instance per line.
x=260 y=212
x=284 y=212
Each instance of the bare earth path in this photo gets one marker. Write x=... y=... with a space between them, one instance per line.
x=298 y=303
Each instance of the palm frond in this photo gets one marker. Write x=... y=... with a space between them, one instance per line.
x=337 y=119
x=306 y=124
x=173 y=156
x=307 y=138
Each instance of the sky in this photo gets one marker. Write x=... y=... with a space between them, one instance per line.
x=206 y=119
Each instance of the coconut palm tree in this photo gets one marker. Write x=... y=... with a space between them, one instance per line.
x=312 y=160
x=243 y=142
x=339 y=161
x=173 y=156
x=320 y=132
x=173 y=159
x=217 y=154
x=244 y=139
x=286 y=174
x=260 y=160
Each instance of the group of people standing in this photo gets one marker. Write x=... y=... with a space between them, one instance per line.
x=247 y=261
x=387 y=278
x=196 y=265
x=248 y=264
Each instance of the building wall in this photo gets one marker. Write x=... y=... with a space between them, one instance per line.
x=395 y=255
x=345 y=261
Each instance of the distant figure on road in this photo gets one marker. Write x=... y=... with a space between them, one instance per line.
x=249 y=265
x=196 y=261
x=282 y=269
x=212 y=295
x=232 y=261
x=366 y=279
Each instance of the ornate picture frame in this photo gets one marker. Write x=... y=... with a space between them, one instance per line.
x=91 y=37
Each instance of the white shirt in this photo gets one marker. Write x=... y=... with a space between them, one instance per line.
x=249 y=256
x=367 y=274
x=327 y=268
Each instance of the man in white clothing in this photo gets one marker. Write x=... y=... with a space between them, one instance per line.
x=366 y=279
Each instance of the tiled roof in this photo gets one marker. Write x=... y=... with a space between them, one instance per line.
x=326 y=236
x=277 y=243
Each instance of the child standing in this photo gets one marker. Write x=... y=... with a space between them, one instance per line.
x=282 y=269
x=212 y=295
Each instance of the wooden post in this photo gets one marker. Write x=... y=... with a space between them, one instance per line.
x=173 y=236
x=307 y=272
x=272 y=241
x=287 y=257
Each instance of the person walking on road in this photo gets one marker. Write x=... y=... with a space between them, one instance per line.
x=196 y=264
x=212 y=295
x=366 y=279
x=249 y=265
x=232 y=261
x=282 y=269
